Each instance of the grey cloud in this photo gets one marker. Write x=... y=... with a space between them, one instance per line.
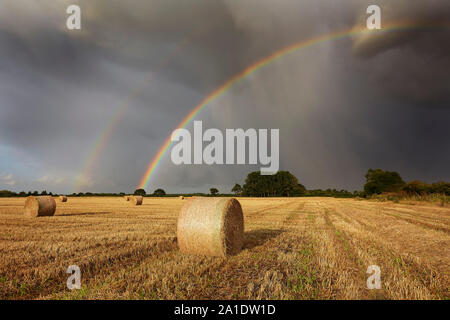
x=339 y=111
x=432 y=14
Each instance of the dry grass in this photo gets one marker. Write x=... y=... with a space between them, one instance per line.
x=305 y=248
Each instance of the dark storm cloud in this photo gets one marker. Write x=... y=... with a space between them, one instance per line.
x=414 y=64
x=137 y=34
x=341 y=106
x=432 y=14
x=199 y=42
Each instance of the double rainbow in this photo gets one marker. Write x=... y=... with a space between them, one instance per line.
x=105 y=135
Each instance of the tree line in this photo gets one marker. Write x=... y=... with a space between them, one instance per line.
x=282 y=184
x=7 y=193
x=378 y=181
x=285 y=184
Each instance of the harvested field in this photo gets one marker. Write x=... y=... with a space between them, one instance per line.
x=294 y=248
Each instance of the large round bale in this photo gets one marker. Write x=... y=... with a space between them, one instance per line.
x=211 y=226
x=39 y=206
x=62 y=198
x=136 y=200
x=181 y=197
x=127 y=198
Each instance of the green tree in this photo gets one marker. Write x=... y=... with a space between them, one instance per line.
x=7 y=193
x=214 y=191
x=159 y=193
x=440 y=187
x=139 y=192
x=416 y=187
x=281 y=184
x=237 y=189
x=379 y=181
x=301 y=190
x=44 y=193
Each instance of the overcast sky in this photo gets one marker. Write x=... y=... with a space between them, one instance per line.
x=342 y=106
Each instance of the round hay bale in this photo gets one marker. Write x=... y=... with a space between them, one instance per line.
x=39 y=206
x=181 y=197
x=127 y=198
x=211 y=226
x=136 y=200
x=63 y=198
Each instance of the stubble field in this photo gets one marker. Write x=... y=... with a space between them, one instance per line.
x=295 y=248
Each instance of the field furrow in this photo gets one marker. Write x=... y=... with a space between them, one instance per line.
x=295 y=248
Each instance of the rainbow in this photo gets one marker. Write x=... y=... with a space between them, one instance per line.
x=102 y=140
x=98 y=146
x=153 y=165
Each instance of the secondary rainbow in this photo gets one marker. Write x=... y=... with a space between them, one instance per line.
x=404 y=26
x=102 y=140
x=98 y=146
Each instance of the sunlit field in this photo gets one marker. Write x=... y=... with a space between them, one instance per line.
x=295 y=248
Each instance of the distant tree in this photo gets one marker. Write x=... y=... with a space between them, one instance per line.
x=416 y=187
x=300 y=191
x=35 y=193
x=379 y=181
x=139 y=192
x=282 y=184
x=237 y=189
x=44 y=193
x=159 y=193
x=440 y=187
x=214 y=191
x=7 y=193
